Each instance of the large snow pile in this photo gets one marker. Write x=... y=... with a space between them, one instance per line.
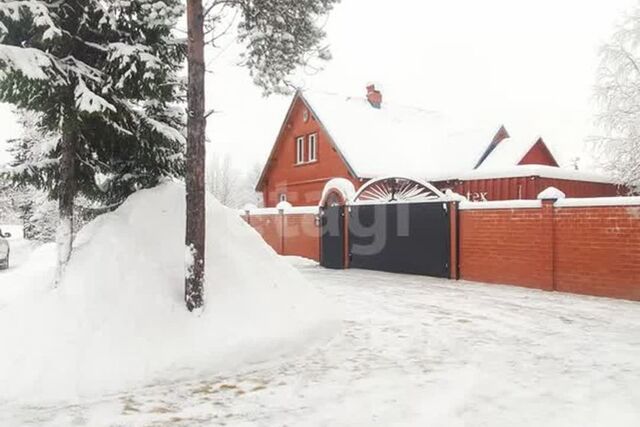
x=118 y=319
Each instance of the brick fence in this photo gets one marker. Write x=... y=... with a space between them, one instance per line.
x=506 y=245
x=293 y=231
x=585 y=246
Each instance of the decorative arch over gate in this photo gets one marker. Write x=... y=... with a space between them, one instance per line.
x=337 y=192
x=398 y=189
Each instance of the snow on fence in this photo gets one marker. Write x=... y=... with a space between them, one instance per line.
x=292 y=231
x=586 y=246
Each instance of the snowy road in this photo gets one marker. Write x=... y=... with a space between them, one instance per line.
x=20 y=251
x=414 y=351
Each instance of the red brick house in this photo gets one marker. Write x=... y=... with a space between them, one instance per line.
x=327 y=136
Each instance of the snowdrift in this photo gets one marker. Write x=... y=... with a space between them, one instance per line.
x=118 y=320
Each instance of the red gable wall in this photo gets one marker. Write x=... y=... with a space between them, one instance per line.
x=539 y=155
x=303 y=184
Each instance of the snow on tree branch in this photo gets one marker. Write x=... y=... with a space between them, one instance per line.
x=89 y=102
x=104 y=74
x=618 y=92
x=161 y=127
x=37 y=10
x=32 y=63
x=279 y=35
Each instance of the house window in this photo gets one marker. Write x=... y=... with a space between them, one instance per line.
x=313 y=147
x=282 y=197
x=300 y=150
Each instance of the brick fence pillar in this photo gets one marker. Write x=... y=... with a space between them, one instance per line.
x=281 y=232
x=548 y=243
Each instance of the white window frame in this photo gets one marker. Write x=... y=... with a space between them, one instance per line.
x=313 y=147
x=299 y=150
x=282 y=197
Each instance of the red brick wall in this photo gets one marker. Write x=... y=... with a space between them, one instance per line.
x=505 y=246
x=289 y=234
x=303 y=184
x=587 y=250
x=301 y=236
x=269 y=227
x=597 y=251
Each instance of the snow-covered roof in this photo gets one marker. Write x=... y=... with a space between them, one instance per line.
x=508 y=152
x=397 y=140
x=532 y=170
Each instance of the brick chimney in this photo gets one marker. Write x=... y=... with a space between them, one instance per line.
x=374 y=96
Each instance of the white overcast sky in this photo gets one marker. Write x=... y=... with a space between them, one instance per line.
x=527 y=64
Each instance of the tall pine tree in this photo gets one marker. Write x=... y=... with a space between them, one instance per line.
x=279 y=36
x=103 y=78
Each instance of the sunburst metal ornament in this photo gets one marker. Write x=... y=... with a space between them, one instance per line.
x=397 y=189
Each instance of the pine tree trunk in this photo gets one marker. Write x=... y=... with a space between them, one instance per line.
x=195 y=183
x=66 y=194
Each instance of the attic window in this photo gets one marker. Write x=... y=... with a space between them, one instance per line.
x=305 y=116
x=313 y=147
x=300 y=150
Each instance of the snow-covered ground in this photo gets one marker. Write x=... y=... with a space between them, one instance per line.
x=117 y=320
x=20 y=252
x=412 y=351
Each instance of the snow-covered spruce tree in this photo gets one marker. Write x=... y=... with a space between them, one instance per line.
x=34 y=162
x=102 y=76
x=618 y=92
x=32 y=168
x=279 y=36
x=9 y=209
x=29 y=207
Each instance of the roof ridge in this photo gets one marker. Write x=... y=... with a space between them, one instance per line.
x=364 y=98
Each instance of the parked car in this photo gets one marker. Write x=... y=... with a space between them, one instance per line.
x=4 y=250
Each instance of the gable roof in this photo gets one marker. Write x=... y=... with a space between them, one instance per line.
x=397 y=140
x=404 y=141
x=274 y=148
x=539 y=154
x=497 y=139
x=511 y=152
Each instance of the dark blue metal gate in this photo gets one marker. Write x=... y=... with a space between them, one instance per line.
x=332 y=237
x=409 y=238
